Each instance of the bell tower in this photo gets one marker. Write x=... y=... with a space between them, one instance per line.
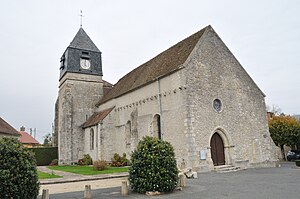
x=81 y=56
x=80 y=88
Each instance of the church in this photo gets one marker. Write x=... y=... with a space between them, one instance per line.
x=195 y=95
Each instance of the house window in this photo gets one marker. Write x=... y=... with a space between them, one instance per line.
x=156 y=126
x=92 y=142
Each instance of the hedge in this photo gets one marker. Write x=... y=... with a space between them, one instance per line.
x=298 y=163
x=45 y=155
x=18 y=174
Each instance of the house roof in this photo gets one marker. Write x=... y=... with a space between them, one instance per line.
x=83 y=41
x=7 y=129
x=163 y=64
x=97 y=117
x=27 y=139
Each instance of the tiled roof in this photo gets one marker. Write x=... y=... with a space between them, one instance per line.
x=107 y=84
x=7 y=129
x=163 y=64
x=97 y=117
x=27 y=139
x=106 y=87
x=83 y=41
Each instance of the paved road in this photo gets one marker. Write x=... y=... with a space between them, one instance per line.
x=263 y=183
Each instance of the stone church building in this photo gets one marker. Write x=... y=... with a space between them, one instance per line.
x=196 y=95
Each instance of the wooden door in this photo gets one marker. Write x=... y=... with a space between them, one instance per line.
x=217 y=150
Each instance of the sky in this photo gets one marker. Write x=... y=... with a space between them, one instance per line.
x=263 y=35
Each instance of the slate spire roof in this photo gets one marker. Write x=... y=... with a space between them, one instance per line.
x=163 y=64
x=83 y=41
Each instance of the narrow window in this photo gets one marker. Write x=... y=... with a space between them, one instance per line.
x=156 y=126
x=92 y=139
x=128 y=133
x=85 y=55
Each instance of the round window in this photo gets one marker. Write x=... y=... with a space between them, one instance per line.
x=217 y=105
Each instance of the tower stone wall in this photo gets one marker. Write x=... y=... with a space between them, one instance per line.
x=80 y=88
x=78 y=94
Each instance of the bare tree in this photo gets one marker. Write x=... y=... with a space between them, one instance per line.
x=274 y=109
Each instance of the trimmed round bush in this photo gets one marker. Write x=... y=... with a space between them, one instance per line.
x=153 y=166
x=18 y=174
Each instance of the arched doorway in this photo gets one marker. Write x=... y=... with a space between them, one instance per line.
x=217 y=150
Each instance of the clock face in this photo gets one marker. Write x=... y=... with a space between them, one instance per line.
x=85 y=63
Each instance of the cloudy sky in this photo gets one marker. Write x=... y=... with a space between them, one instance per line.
x=263 y=35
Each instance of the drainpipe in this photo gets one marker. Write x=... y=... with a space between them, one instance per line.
x=160 y=107
x=101 y=140
x=97 y=140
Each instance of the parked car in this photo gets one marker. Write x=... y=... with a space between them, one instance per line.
x=293 y=155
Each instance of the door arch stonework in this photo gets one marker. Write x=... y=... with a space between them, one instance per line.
x=227 y=142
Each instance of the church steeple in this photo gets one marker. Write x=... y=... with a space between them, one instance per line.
x=81 y=56
x=83 y=41
x=80 y=88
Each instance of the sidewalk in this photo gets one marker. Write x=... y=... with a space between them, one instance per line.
x=72 y=177
x=71 y=182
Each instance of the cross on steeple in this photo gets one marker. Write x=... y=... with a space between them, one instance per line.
x=81 y=16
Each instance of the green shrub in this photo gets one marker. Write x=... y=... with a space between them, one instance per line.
x=124 y=160
x=298 y=163
x=118 y=161
x=54 y=162
x=81 y=162
x=100 y=165
x=86 y=160
x=44 y=155
x=153 y=166
x=18 y=174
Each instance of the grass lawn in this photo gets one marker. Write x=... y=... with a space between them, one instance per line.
x=88 y=170
x=43 y=175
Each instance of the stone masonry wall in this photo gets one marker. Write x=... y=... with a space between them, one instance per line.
x=188 y=120
x=212 y=72
x=78 y=94
x=140 y=106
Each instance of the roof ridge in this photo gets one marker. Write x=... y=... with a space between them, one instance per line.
x=160 y=65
